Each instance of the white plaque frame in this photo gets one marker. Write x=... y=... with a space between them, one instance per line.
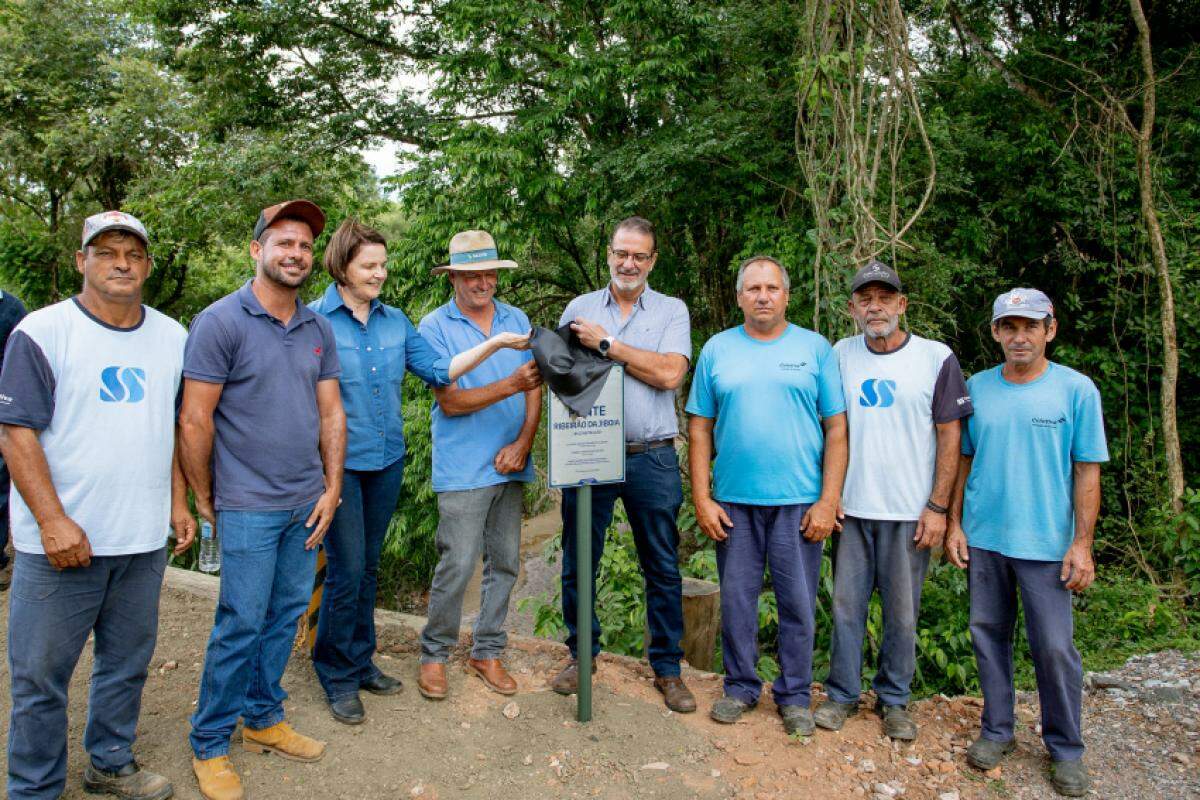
x=586 y=451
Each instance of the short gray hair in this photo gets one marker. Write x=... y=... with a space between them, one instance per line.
x=741 y=276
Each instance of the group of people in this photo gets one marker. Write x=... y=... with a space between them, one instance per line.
x=879 y=437
x=284 y=421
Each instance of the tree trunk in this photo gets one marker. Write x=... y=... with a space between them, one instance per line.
x=1170 y=373
x=55 y=294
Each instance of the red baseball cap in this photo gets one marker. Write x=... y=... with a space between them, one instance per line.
x=306 y=210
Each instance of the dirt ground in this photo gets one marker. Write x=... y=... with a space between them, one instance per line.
x=467 y=747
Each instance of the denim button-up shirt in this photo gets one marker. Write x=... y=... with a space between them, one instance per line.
x=374 y=357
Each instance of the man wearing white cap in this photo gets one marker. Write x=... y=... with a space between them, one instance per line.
x=1022 y=520
x=483 y=428
x=87 y=428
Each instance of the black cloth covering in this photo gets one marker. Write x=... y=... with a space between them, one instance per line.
x=573 y=372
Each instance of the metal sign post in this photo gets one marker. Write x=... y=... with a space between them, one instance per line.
x=583 y=611
x=585 y=451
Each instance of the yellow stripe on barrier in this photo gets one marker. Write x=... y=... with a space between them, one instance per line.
x=314 y=604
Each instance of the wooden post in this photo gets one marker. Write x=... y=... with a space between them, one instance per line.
x=701 y=622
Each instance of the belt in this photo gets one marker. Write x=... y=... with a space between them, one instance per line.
x=633 y=448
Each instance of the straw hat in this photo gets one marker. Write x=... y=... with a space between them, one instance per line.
x=471 y=251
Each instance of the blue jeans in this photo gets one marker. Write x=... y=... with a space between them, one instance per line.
x=765 y=536
x=994 y=581
x=266 y=582
x=652 y=494
x=874 y=554
x=5 y=486
x=51 y=612
x=346 y=624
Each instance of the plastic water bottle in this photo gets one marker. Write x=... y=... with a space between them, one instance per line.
x=210 y=552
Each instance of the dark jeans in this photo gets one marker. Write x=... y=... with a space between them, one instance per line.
x=995 y=580
x=765 y=536
x=266 y=582
x=652 y=494
x=875 y=554
x=346 y=624
x=5 y=485
x=51 y=612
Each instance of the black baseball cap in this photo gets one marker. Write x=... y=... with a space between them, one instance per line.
x=875 y=272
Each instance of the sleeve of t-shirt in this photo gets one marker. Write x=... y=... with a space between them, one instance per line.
x=951 y=400
x=967 y=445
x=421 y=359
x=831 y=399
x=331 y=365
x=701 y=400
x=208 y=354
x=26 y=384
x=12 y=312
x=1088 y=442
x=677 y=338
x=526 y=326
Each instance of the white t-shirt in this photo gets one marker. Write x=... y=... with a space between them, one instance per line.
x=104 y=402
x=893 y=401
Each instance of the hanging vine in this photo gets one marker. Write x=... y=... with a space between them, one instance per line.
x=857 y=113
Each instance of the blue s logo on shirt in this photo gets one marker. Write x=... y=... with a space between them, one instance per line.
x=877 y=393
x=123 y=385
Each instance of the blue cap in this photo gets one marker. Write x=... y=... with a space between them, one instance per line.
x=1028 y=303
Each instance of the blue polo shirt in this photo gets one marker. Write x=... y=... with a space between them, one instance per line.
x=1024 y=439
x=265 y=452
x=465 y=447
x=374 y=357
x=768 y=400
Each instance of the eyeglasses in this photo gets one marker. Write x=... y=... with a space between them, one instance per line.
x=641 y=259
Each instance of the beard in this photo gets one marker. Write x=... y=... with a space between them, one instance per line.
x=277 y=275
x=881 y=333
x=628 y=283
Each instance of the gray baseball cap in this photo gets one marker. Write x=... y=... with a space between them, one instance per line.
x=1028 y=303
x=875 y=272
x=106 y=221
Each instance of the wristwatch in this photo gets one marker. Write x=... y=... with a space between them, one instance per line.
x=605 y=344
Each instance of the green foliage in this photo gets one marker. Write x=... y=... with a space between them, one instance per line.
x=1180 y=541
x=1119 y=616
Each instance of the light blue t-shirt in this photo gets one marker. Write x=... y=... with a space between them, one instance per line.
x=768 y=400
x=465 y=447
x=1024 y=438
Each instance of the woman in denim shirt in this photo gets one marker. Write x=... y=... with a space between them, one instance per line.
x=376 y=343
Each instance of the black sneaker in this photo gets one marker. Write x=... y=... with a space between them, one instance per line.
x=381 y=684
x=728 y=710
x=1070 y=778
x=348 y=710
x=985 y=754
x=832 y=715
x=797 y=719
x=897 y=722
x=130 y=782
